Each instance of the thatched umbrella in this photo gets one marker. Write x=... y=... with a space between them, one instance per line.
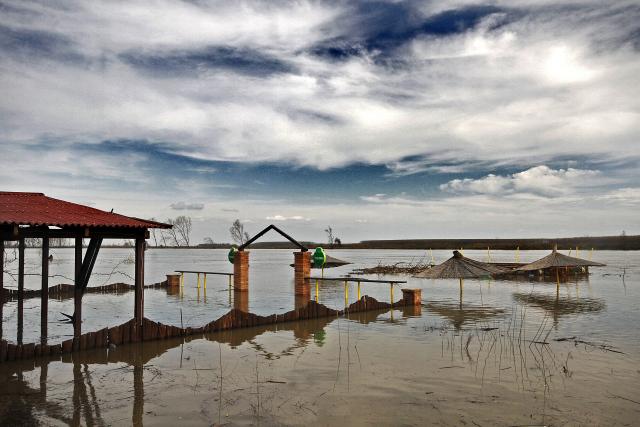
x=460 y=267
x=556 y=260
x=330 y=262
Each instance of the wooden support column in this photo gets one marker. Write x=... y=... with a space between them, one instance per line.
x=20 y=314
x=139 y=285
x=44 y=296
x=1 y=284
x=77 y=294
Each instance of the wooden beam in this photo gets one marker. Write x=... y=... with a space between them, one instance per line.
x=139 y=285
x=89 y=261
x=87 y=232
x=44 y=295
x=282 y=233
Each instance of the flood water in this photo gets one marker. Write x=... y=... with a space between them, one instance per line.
x=502 y=353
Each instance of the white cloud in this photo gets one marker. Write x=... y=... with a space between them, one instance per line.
x=287 y=218
x=181 y=206
x=539 y=180
x=544 y=85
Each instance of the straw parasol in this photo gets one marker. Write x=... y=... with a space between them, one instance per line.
x=330 y=262
x=460 y=267
x=555 y=260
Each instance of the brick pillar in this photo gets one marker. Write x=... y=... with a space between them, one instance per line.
x=412 y=296
x=302 y=268
x=241 y=271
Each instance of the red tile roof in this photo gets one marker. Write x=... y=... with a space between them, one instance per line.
x=38 y=209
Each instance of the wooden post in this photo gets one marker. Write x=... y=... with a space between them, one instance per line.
x=139 y=285
x=44 y=296
x=77 y=294
x=21 y=269
x=1 y=283
x=20 y=290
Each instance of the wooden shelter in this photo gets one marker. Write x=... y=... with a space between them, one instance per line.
x=34 y=215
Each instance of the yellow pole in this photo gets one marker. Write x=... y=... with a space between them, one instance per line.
x=391 y=291
x=198 y=294
x=433 y=261
x=488 y=254
x=198 y=281
x=181 y=278
x=358 y=290
x=317 y=292
x=461 y=251
x=577 y=252
x=569 y=251
x=346 y=294
x=205 y=281
x=591 y=255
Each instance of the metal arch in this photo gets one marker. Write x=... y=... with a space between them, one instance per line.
x=282 y=233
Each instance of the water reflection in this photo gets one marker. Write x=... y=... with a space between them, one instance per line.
x=25 y=401
x=559 y=306
x=458 y=315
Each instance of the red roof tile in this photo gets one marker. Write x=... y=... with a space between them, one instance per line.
x=38 y=209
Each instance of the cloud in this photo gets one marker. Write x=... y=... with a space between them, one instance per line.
x=448 y=83
x=287 y=218
x=182 y=206
x=539 y=180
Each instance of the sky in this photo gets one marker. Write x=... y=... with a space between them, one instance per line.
x=381 y=119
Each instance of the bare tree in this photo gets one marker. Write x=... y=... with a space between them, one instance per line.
x=329 y=232
x=154 y=234
x=171 y=233
x=182 y=226
x=237 y=233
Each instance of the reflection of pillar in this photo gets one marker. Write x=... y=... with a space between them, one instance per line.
x=241 y=271
x=138 y=395
x=20 y=288
x=411 y=310
x=241 y=301
x=302 y=270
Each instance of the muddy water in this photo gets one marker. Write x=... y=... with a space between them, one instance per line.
x=506 y=353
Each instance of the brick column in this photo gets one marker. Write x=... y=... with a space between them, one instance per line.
x=241 y=271
x=302 y=268
x=412 y=296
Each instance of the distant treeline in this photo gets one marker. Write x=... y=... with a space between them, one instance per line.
x=622 y=242
x=599 y=243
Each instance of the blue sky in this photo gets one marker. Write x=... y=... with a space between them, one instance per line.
x=383 y=119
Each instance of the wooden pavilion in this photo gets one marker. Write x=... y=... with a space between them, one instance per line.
x=34 y=215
